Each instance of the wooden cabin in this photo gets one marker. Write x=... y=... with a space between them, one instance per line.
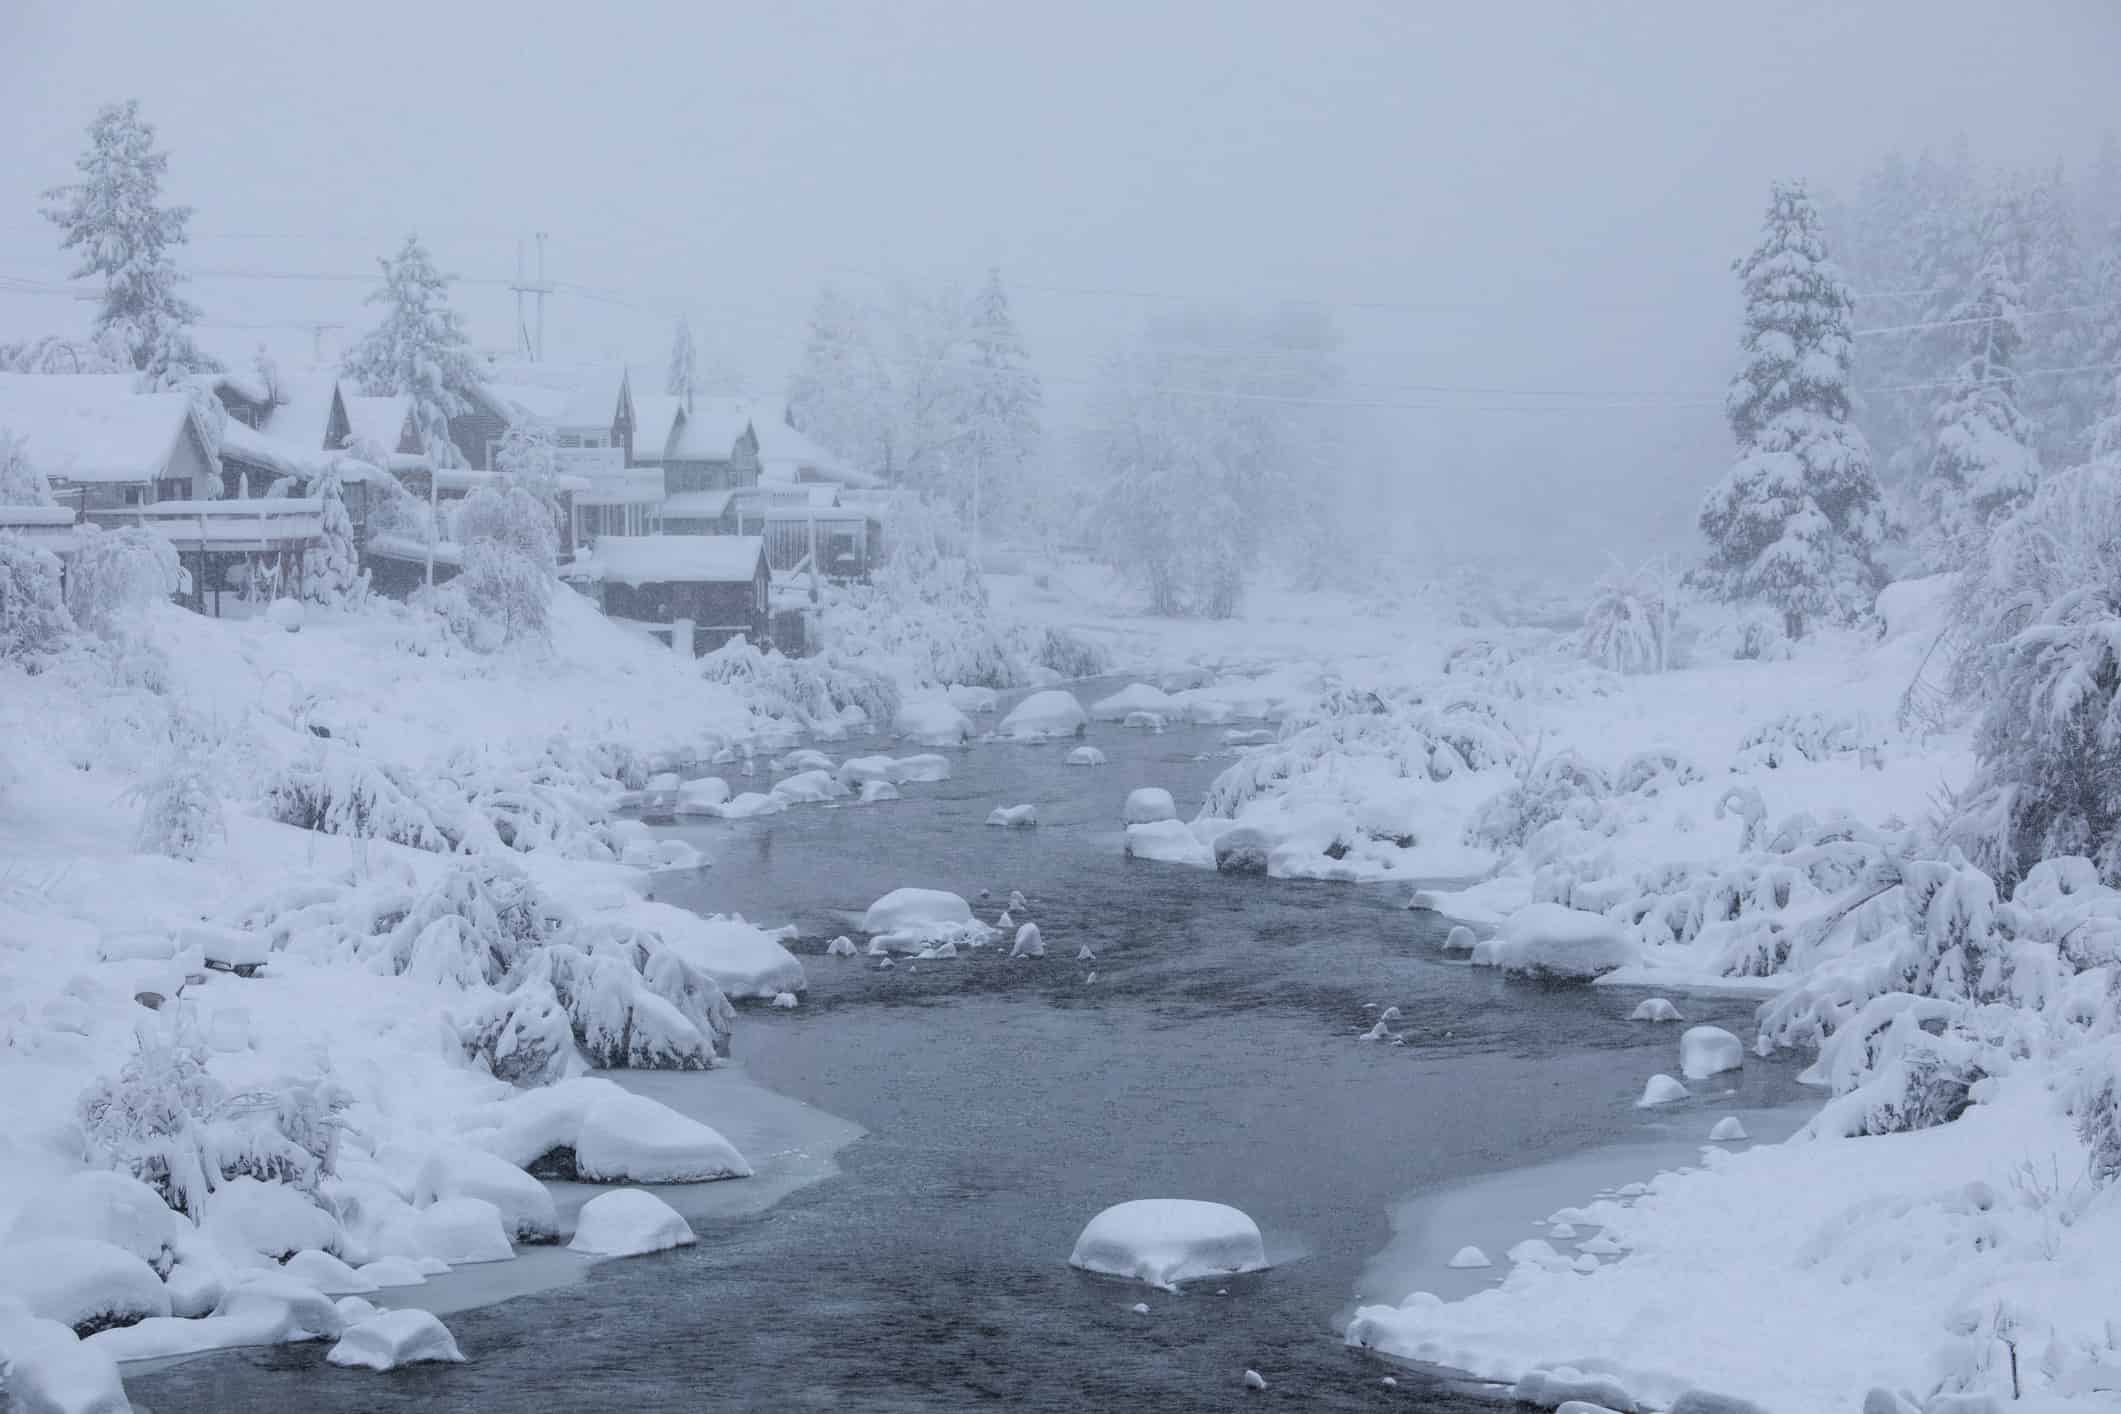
x=718 y=582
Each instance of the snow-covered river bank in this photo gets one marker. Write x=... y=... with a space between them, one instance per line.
x=1214 y=1056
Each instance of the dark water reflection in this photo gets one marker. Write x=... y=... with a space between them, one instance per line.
x=1214 y=1056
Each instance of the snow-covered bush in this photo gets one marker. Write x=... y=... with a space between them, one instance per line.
x=925 y=615
x=336 y=790
x=1798 y=736
x=474 y=927
x=1547 y=789
x=33 y=616
x=116 y=573
x=331 y=571
x=1065 y=652
x=505 y=590
x=395 y=511
x=22 y=482
x=180 y=812
x=148 y=1121
x=1632 y=621
x=524 y=1037
x=810 y=692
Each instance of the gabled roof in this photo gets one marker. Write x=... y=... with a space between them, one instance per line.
x=561 y=395
x=711 y=431
x=679 y=559
x=655 y=419
x=306 y=415
x=381 y=420
x=94 y=428
x=696 y=505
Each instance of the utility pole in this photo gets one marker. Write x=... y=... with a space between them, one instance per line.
x=535 y=347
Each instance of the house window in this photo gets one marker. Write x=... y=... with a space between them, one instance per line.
x=567 y=439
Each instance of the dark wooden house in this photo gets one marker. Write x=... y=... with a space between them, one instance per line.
x=717 y=582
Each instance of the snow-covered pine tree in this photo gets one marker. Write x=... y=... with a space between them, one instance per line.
x=840 y=392
x=1003 y=401
x=419 y=350
x=2052 y=278
x=21 y=482
x=331 y=571
x=2103 y=347
x=1797 y=520
x=115 y=218
x=684 y=364
x=1985 y=463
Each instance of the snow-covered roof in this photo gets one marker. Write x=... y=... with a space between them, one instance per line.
x=246 y=387
x=381 y=420
x=464 y=478
x=559 y=395
x=824 y=515
x=655 y=417
x=254 y=448
x=711 y=431
x=704 y=505
x=304 y=418
x=93 y=429
x=679 y=559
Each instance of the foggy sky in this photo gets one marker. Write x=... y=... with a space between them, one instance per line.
x=1494 y=196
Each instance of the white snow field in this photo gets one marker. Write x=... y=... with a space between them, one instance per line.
x=628 y=1222
x=1165 y=1241
x=1044 y=716
x=389 y=1339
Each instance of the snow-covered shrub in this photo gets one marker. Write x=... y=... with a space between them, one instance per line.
x=1065 y=652
x=474 y=926
x=1653 y=772
x=148 y=1121
x=331 y=571
x=2098 y=1114
x=1798 y=736
x=925 y=615
x=510 y=546
x=33 y=616
x=395 y=511
x=616 y=1020
x=336 y=790
x=116 y=573
x=1547 y=789
x=553 y=802
x=1632 y=621
x=810 y=692
x=22 y=482
x=524 y=1037
x=180 y=812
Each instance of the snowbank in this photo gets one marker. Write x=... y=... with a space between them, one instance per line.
x=1164 y=1241
x=1043 y=716
x=81 y=1283
x=1136 y=697
x=459 y=1171
x=1547 y=940
x=628 y=1223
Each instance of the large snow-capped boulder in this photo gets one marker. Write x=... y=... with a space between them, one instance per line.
x=1136 y=697
x=628 y=1222
x=81 y=1283
x=809 y=788
x=705 y=796
x=967 y=698
x=1549 y=940
x=1014 y=817
x=1709 y=1050
x=389 y=1339
x=932 y=721
x=1148 y=804
x=52 y=1371
x=1655 y=1009
x=270 y=1219
x=1029 y=942
x=924 y=769
x=461 y=1171
x=268 y=1307
x=1244 y=849
x=103 y=1207
x=1660 y=1090
x=1164 y=1241
x=461 y=1231
x=858 y=771
x=1043 y=716
x=1168 y=842
x=1086 y=756
x=746 y=962
x=593 y=1130
x=752 y=803
x=328 y=1274
x=912 y=919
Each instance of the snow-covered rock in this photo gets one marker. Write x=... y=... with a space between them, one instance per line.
x=1248 y=736
x=1660 y=1090
x=1459 y=939
x=1551 y=1387
x=784 y=1001
x=267 y=1307
x=81 y=1283
x=1548 y=940
x=227 y=948
x=609 y=1135
x=933 y=721
x=753 y=803
x=1043 y=716
x=841 y=946
x=1655 y=1009
x=804 y=759
x=628 y=1222
x=389 y=1339
x=911 y=919
x=861 y=770
x=459 y=1231
x=1467 y=1258
x=461 y=1171
x=921 y=770
x=1168 y=842
x=1727 y=1129
x=1147 y=804
x=1143 y=721
x=270 y=1219
x=1015 y=817
x=968 y=698
x=51 y=1371
x=1255 y=1380
x=104 y=1207
x=705 y=796
x=1709 y=1050
x=937 y=952
x=875 y=791
x=328 y=1274
x=285 y=615
x=1243 y=850
x=1164 y=1241
x=809 y=788
x=1028 y=942
x=1086 y=756
x=392 y=1271
x=1136 y=697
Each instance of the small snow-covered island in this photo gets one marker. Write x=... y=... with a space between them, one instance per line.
x=1384 y=770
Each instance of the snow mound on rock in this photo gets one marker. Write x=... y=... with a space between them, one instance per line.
x=1655 y=1009
x=911 y=919
x=389 y=1339
x=1148 y=804
x=1459 y=939
x=328 y=1274
x=705 y=796
x=932 y=721
x=1144 y=721
x=1137 y=697
x=967 y=698
x=1043 y=716
x=1709 y=1050
x=1548 y=940
x=1086 y=756
x=628 y=1222
x=1466 y=1258
x=460 y=1171
x=860 y=770
x=809 y=788
x=1015 y=817
x=1168 y=842
x=80 y=1282
x=1660 y=1090
x=1028 y=942
x=1164 y=1241
x=104 y=1207
x=875 y=791
x=610 y=1136
x=921 y=770
x=50 y=1371
x=459 y=1231
x=270 y=1219
x=1727 y=1129
x=842 y=946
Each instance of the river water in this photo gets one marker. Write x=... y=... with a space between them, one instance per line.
x=1212 y=1055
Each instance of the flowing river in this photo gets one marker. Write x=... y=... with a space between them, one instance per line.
x=1213 y=1054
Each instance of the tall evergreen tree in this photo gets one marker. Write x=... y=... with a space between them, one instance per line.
x=2103 y=346
x=115 y=218
x=1797 y=519
x=420 y=349
x=841 y=391
x=684 y=364
x=2048 y=260
x=1985 y=462
x=1003 y=398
